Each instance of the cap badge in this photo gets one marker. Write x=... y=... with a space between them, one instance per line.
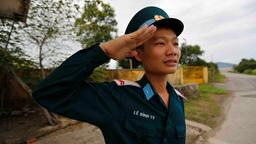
x=158 y=17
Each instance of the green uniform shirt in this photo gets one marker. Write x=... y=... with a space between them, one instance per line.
x=126 y=112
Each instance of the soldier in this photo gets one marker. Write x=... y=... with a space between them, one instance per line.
x=147 y=111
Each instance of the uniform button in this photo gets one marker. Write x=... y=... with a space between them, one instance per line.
x=165 y=140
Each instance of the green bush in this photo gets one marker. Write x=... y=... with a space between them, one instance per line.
x=253 y=72
x=214 y=73
x=245 y=64
x=248 y=71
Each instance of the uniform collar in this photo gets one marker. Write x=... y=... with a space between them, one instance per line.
x=147 y=88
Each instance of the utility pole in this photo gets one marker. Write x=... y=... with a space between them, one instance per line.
x=186 y=51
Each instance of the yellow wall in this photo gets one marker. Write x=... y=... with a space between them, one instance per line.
x=184 y=75
x=126 y=74
x=195 y=74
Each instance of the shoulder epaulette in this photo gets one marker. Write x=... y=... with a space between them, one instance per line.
x=120 y=82
x=180 y=94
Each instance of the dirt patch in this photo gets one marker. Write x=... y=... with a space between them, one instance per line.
x=26 y=127
x=225 y=103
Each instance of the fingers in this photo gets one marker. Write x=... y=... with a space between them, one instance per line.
x=142 y=32
x=132 y=53
x=139 y=31
x=148 y=31
x=141 y=35
x=146 y=36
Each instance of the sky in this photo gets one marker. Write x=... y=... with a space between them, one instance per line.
x=224 y=29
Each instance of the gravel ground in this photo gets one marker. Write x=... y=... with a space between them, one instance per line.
x=84 y=133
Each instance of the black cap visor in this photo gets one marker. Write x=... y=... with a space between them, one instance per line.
x=172 y=23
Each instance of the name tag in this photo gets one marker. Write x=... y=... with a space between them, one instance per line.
x=143 y=115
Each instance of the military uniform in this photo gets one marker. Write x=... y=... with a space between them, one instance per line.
x=126 y=112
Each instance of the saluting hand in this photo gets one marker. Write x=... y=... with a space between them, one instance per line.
x=124 y=46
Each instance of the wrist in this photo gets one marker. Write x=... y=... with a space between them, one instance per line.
x=104 y=46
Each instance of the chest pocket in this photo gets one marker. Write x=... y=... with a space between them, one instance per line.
x=146 y=131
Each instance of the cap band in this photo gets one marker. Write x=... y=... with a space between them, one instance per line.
x=147 y=23
x=151 y=21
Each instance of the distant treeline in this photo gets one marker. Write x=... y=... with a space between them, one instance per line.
x=247 y=66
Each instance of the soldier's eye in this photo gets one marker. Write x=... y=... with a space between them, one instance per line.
x=159 y=43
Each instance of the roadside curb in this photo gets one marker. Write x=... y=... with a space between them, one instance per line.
x=199 y=126
x=196 y=132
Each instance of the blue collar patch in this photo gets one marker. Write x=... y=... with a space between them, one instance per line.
x=148 y=91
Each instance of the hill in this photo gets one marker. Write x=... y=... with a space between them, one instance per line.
x=224 y=65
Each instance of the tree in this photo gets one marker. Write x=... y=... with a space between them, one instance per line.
x=246 y=64
x=11 y=57
x=11 y=52
x=96 y=24
x=47 y=21
x=190 y=55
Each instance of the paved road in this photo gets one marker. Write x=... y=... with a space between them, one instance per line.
x=240 y=124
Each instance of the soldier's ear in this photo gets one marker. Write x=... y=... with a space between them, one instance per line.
x=138 y=56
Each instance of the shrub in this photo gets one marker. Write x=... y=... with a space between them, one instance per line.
x=253 y=72
x=248 y=71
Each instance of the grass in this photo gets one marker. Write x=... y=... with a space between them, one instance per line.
x=253 y=72
x=210 y=89
x=219 y=78
x=207 y=107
